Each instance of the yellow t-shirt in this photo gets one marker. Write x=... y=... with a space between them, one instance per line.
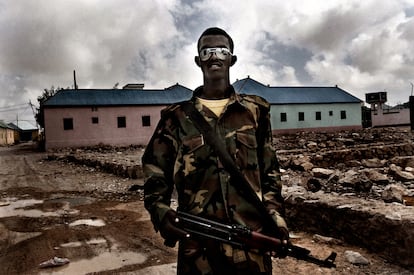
x=215 y=105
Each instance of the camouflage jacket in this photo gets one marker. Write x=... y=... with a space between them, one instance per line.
x=177 y=156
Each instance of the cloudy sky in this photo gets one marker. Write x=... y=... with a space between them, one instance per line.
x=361 y=46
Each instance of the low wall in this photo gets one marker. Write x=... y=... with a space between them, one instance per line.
x=380 y=152
x=386 y=229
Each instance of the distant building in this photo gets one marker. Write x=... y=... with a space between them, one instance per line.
x=383 y=115
x=24 y=131
x=6 y=134
x=121 y=117
x=307 y=108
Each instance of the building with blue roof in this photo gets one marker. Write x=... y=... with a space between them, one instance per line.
x=306 y=108
x=118 y=97
x=121 y=117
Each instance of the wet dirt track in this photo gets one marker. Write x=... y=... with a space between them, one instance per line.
x=56 y=209
x=50 y=209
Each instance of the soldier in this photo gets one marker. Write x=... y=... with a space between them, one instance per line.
x=178 y=157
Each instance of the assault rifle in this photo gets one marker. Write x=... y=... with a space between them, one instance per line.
x=243 y=237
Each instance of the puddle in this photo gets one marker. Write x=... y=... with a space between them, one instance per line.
x=165 y=269
x=133 y=207
x=103 y=262
x=72 y=201
x=95 y=241
x=90 y=222
x=13 y=207
x=71 y=244
x=15 y=237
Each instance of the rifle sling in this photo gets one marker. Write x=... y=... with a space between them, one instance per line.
x=219 y=148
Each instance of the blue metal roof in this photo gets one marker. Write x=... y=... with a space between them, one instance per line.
x=111 y=97
x=176 y=93
x=295 y=95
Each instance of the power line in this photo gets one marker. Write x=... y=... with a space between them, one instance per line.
x=13 y=106
x=14 y=109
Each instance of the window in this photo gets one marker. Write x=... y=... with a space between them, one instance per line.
x=301 y=116
x=318 y=115
x=68 y=124
x=94 y=109
x=121 y=122
x=283 y=117
x=343 y=114
x=330 y=113
x=95 y=120
x=146 y=121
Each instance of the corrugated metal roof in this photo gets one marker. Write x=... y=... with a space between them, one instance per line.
x=294 y=95
x=23 y=125
x=4 y=125
x=176 y=93
x=109 y=97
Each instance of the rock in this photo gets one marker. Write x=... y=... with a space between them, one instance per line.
x=307 y=166
x=409 y=169
x=373 y=163
x=356 y=180
x=346 y=141
x=400 y=175
x=302 y=163
x=408 y=200
x=322 y=172
x=376 y=176
x=314 y=184
x=349 y=178
x=355 y=258
x=327 y=240
x=313 y=146
x=403 y=161
x=353 y=163
x=393 y=193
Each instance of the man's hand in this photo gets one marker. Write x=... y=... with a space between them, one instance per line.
x=169 y=230
x=282 y=252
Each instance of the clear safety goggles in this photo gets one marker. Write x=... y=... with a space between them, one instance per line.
x=207 y=53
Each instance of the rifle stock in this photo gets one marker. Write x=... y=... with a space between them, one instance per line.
x=243 y=237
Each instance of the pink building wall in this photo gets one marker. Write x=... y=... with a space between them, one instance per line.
x=381 y=118
x=106 y=131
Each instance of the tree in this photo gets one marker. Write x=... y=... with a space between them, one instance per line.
x=47 y=93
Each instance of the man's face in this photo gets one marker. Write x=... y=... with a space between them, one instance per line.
x=215 y=67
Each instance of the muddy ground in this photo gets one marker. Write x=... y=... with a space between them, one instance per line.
x=57 y=209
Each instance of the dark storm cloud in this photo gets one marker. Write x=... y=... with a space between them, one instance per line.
x=280 y=55
x=364 y=46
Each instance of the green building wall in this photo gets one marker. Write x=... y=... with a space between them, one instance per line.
x=330 y=117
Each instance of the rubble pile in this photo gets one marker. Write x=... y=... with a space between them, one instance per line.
x=376 y=163
x=120 y=161
x=357 y=186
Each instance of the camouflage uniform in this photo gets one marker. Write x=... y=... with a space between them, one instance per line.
x=178 y=156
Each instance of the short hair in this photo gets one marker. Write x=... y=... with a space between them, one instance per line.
x=216 y=31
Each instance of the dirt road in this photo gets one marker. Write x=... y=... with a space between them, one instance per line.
x=55 y=209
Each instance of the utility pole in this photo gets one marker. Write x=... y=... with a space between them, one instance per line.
x=411 y=104
x=74 y=80
x=34 y=112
